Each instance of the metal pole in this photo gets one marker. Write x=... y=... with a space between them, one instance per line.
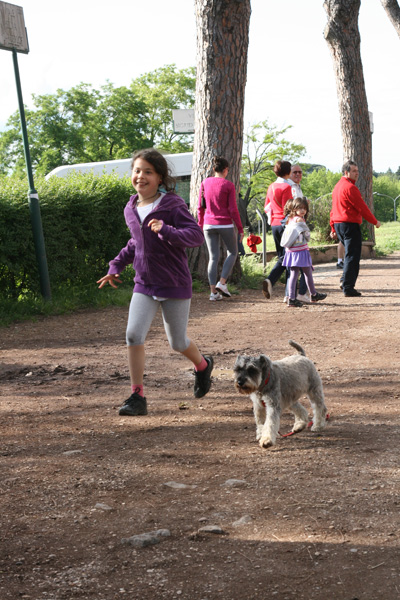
x=34 y=207
x=263 y=219
x=395 y=213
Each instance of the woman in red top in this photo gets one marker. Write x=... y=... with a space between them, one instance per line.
x=278 y=194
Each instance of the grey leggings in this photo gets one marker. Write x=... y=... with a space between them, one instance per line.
x=229 y=237
x=175 y=313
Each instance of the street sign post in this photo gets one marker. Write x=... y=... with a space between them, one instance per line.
x=183 y=119
x=13 y=37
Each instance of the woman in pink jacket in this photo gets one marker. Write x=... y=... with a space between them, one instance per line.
x=217 y=213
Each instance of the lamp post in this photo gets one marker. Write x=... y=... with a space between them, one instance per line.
x=13 y=37
x=393 y=199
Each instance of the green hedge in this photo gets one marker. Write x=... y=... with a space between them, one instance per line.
x=83 y=226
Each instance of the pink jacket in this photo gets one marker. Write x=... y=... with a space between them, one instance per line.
x=221 y=207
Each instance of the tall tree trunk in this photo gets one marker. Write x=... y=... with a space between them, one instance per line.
x=392 y=9
x=222 y=44
x=343 y=38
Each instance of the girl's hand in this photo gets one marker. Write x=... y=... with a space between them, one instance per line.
x=111 y=279
x=333 y=235
x=298 y=219
x=241 y=236
x=156 y=225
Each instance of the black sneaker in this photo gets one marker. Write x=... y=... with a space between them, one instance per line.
x=339 y=265
x=294 y=303
x=267 y=289
x=352 y=294
x=135 y=405
x=202 y=379
x=317 y=297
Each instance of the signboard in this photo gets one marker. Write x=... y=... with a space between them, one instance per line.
x=183 y=120
x=371 y=123
x=12 y=28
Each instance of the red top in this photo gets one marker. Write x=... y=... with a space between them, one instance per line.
x=348 y=205
x=277 y=196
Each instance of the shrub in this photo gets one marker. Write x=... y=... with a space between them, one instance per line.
x=83 y=226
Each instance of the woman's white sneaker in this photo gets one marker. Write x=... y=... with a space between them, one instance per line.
x=223 y=288
x=216 y=296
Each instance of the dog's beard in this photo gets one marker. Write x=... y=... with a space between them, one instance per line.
x=246 y=389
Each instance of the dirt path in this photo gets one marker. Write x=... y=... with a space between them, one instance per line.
x=314 y=518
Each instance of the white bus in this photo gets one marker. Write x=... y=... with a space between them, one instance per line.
x=180 y=165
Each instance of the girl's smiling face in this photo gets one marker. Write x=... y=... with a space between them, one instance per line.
x=300 y=212
x=145 y=179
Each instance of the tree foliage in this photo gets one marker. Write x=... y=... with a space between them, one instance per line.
x=86 y=125
x=319 y=183
x=161 y=91
x=264 y=144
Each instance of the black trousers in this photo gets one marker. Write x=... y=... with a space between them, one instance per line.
x=277 y=232
x=350 y=236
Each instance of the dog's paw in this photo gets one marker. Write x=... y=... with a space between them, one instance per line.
x=266 y=442
x=258 y=433
x=299 y=426
x=318 y=426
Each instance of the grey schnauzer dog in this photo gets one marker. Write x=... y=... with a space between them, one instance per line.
x=275 y=386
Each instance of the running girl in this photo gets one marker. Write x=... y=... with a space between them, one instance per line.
x=161 y=229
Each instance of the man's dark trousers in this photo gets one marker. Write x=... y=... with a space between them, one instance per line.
x=350 y=236
x=277 y=233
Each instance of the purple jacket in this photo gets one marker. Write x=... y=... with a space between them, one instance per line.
x=159 y=260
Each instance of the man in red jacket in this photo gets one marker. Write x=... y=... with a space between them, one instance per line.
x=348 y=211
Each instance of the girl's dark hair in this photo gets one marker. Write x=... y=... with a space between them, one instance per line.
x=282 y=168
x=220 y=164
x=292 y=206
x=157 y=160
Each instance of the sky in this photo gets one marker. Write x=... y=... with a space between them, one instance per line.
x=290 y=78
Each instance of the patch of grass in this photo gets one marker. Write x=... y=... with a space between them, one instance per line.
x=387 y=238
x=252 y=272
x=63 y=301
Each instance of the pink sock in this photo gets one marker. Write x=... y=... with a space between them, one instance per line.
x=138 y=389
x=201 y=366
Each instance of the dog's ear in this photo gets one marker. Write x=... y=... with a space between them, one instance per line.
x=264 y=363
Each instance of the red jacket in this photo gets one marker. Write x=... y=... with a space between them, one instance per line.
x=348 y=205
x=277 y=196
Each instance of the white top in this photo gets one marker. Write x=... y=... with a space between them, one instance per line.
x=296 y=189
x=145 y=210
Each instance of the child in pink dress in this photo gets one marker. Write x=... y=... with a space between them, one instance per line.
x=297 y=255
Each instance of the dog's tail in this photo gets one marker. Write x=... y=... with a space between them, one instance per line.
x=297 y=347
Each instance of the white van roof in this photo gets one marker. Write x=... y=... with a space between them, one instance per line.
x=180 y=165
